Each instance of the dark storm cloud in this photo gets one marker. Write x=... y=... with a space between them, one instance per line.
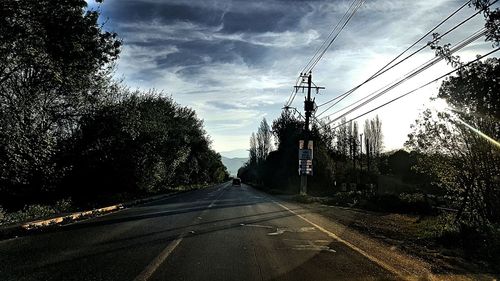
x=162 y=12
x=259 y=21
x=203 y=51
x=236 y=16
x=202 y=32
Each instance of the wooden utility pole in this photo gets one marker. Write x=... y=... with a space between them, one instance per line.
x=309 y=108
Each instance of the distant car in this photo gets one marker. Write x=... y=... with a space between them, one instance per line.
x=237 y=181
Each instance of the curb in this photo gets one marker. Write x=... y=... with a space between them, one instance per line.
x=22 y=229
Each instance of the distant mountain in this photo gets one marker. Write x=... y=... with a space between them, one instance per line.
x=233 y=164
x=236 y=153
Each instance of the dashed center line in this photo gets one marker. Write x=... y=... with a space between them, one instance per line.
x=158 y=260
x=153 y=266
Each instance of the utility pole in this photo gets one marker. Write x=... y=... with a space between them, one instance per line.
x=309 y=108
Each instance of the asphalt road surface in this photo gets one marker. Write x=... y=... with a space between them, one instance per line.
x=220 y=233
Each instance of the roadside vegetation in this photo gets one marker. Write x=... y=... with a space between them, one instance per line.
x=71 y=136
x=447 y=175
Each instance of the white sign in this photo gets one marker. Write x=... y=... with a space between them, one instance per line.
x=305 y=167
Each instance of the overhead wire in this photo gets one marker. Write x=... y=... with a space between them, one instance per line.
x=385 y=68
x=292 y=94
x=328 y=38
x=425 y=35
x=320 y=56
x=363 y=101
x=328 y=42
x=410 y=92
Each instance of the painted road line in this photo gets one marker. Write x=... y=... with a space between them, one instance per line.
x=158 y=261
x=352 y=246
x=153 y=266
x=213 y=202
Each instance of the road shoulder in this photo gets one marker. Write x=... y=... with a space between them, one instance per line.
x=388 y=254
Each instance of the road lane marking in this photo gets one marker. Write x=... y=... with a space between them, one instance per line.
x=153 y=266
x=352 y=246
x=158 y=261
x=213 y=202
x=278 y=231
x=256 y=225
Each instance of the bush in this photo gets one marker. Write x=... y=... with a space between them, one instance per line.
x=64 y=205
x=30 y=212
x=481 y=243
x=416 y=203
x=37 y=211
x=351 y=198
x=2 y=214
x=404 y=203
x=302 y=199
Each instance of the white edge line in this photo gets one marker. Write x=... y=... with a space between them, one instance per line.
x=355 y=248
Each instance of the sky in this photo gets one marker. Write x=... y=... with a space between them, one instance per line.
x=236 y=61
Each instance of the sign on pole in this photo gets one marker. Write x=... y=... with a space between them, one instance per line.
x=305 y=158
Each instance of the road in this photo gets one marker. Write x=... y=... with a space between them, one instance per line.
x=219 y=233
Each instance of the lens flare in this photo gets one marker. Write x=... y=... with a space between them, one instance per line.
x=488 y=138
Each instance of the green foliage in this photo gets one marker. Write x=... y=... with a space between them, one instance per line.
x=492 y=18
x=441 y=228
x=455 y=153
x=404 y=203
x=67 y=129
x=336 y=157
x=481 y=243
x=64 y=205
x=274 y=169
x=146 y=143
x=350 y=198
x=55 y=62
x=30 y=212
x=36 y=211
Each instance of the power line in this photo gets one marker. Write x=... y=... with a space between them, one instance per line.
x=304 y=70
x=328 y=42
x=425 y=35
x=385 y=69
x=293 y=93
x=414 y=90
x=408 y=76
x=343 y=96
x=310 y=68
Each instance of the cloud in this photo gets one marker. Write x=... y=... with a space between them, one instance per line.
x=235 y=61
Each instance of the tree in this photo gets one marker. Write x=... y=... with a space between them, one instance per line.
x=145 y=143
x=55 y=63
x=353 y=141
x=287 y=130
x=343 y=138
x=264 y=141
x=492 y=20
x=458 y=154
x=252 y=159
x=373 y=133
